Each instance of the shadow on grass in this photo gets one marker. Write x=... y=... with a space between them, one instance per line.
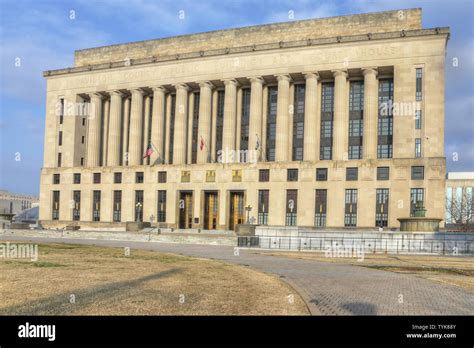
x=59 y=304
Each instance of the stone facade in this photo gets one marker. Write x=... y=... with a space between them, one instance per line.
x=258 y=89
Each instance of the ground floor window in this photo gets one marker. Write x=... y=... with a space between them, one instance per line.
x=139 y=206
x=96 y=206
x=161 y=206
x=381 y=208
x=416 y=200
x=291 y=207
x=76 y=210
x=117 y=215
x=320 y=208
x=350 y=215
x=55 y=208
x=263 y=204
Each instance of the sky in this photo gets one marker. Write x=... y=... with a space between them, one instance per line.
x=42 y=35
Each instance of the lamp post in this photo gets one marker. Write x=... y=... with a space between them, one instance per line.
x=248 y=208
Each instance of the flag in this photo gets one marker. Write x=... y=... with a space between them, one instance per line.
x=201 y=145
x=257 y=144
x=149 y=151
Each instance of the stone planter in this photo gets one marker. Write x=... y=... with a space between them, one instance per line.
x=419 y=224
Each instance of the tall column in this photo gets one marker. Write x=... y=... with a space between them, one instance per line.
x=312 y=123
x=93 y=136
x=126 y=130
x=115 y=127
x=136 y=124
x=230 y=115
x=256 y=107
x=189 y=127
x=215 y=96
x=179 y=146
x=341 y=119
x=283 y=116
x=146 y=125
x=204 y=127
x=105 y=131
x=370 y=113
x=158 y=125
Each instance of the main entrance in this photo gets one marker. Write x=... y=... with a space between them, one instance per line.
x=210 y=210
x=185 y=209
x=236 y=215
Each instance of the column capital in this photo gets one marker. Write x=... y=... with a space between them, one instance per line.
x=256 y=79
x=204 y=84
x=370 y=70
x=137 y=91
x=159 y=89
x=117 y=93
x=283 y=77
x=232 y=82
x=182 y=86
x=96 y=95
x=310 y=75
x=341 y=72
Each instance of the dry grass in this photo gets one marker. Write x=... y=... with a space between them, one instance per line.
x=106 y=282
x=452 y=270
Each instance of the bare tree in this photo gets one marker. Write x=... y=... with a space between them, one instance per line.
x=460 y=210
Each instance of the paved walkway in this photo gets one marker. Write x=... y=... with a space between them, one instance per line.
x=327 y=288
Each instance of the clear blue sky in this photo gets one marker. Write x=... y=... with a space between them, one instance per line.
x=44 y=37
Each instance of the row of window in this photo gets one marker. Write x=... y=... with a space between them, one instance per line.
x=291 y=210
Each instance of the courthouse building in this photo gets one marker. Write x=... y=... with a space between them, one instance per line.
x=333 y=122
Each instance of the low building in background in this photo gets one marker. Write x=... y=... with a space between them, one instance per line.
x=12 y=204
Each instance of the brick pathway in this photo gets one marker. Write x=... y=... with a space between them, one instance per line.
x=327 y=288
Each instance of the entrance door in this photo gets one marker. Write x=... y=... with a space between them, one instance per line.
x=236 y=215
x=210 y=210
x=185 y=209
x=350 y=216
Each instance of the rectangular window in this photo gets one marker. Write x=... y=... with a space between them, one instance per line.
x=320 y=208
x=352 y=174
x=419 y=84
x=264 y=175
x=55 y=207
x=59 y=159
x=417 y=173
x=76 y=210
x=139 y=177
x=321 y=174
x=195 y=135
x=292 y=175
x=60 y=138
x=117 y=215
x=172 y=119
x=161 y=215
x=83 y=121
x=327 y=117
x=61 y=111
x=418 y=119
x=416 y=200
x=385 y=119
x=271 y=122
x=219 y=121
x=383 y=173
x=96 y=178
x=96 y=206
x=77 y=178
x=56 y=179
x=384 y=151
x=245 y=121
x=117 y=178
x=82 y=139
x=263 y=205
x=82 y=161
x=381 y=208
x=298 y=123
x=291 y=207
x=138 y=206
x=161 y=177
x=350 y=213
x=356 y=119
x=417 y=147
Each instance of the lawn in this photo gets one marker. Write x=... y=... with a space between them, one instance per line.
x=90 y=280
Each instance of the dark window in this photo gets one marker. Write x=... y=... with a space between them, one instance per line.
x=82 y=139
x=264 y=175
x=117 y=178
x=416 y=200
x=83 y=121
x=356 y=122
x=419 y=83
x=383 y=173
x=56 y=179
x=352 y=174
x=385 y=119
x=59 y=159
x=195 y=139
x=76 y=210
x=60 y=138
x=82 y=161
x=321 y=174
x=327 y=116
x=418 y=119
x=172 y=119
x=96 y=178
x=96 y=206
x=350 y=211
x=417 y=173
x=291 y=207
x=298 y=122
x=320 y=208
x=77 y=178
x=417 y=147
x=138 y=206
x=55 y=207
x=245 y=120
x=263 y=205
x=161 y=206
x=219 y=120
x=381 y=208
x=161 y=177
x=139 y=177
x=271 y=122
x=61 y=111
x=292 y=175
x=117 y=206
